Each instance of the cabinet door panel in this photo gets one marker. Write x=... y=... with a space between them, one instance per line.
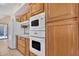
x=27 y=46
x=21 y=49
x=37 y=8
x=21 y=42
x=32 y=54
x=60 y=11
x=61 y=38
x=18 y=19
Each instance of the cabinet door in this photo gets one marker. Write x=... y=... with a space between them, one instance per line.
x=27 y=46
x=32 y=54
x=18 y=19
x=60 y=11
x=21 y=49
x=61 y=38
x=29 y=12
x=36 y=8
x=23 y=17
x=16 y=41
x=21 y=45
x=28 y=15
x=21 y=41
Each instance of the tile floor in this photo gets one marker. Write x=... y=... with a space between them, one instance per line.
x=5 y=51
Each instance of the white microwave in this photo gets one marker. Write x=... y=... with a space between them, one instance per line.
x=37 y=22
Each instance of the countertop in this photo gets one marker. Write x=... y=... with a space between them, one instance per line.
x=24 y=35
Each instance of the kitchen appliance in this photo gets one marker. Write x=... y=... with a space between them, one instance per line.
x=37 y=22
x=37 y=46
x=37 y=42
x=37 y=34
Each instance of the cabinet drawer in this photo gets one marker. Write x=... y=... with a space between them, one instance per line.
x=21 y=49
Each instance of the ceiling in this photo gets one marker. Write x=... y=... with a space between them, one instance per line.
x=7 y=9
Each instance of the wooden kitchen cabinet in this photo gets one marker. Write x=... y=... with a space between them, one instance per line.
x=21 y=41
x=62 y=29
x=22 y=45
x=28 y=15
x=29 y=12
x=17 y=42
x=27 y=47
x=21 y=49
x=23 y=17
x=36 y=8
x=32 y=54
x=18 y=18
x=60 y=11
x=62 y=38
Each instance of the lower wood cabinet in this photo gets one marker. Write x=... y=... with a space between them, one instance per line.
x=32 y=54
x=22 y=45
x=22 y=49
x=27 y=46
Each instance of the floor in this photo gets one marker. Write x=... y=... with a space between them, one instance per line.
x=5 y=51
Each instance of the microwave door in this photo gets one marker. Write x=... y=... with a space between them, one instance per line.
x=35 y=22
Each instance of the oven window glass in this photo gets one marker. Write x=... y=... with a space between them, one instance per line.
x=35 y=23
x=36 y=45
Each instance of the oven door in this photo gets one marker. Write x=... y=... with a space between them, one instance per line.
x=37 y=22
x=37 y=46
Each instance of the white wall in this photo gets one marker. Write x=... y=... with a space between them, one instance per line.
x=5 y=20
x=18 y=30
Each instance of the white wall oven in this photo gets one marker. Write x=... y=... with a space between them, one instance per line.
x=37 y=22
x=37 y=42
x=37 y=34
x=37 y=46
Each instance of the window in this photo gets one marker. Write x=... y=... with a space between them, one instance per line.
x=3 y=31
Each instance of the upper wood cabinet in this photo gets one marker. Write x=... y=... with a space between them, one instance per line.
x=36 y=8
x=60 y=11
x=29 y=12
x=28 y=15
x=62 y=38
x=18 y=18
x=23 y=17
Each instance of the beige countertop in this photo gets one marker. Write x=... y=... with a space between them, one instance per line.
x=25 y=36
